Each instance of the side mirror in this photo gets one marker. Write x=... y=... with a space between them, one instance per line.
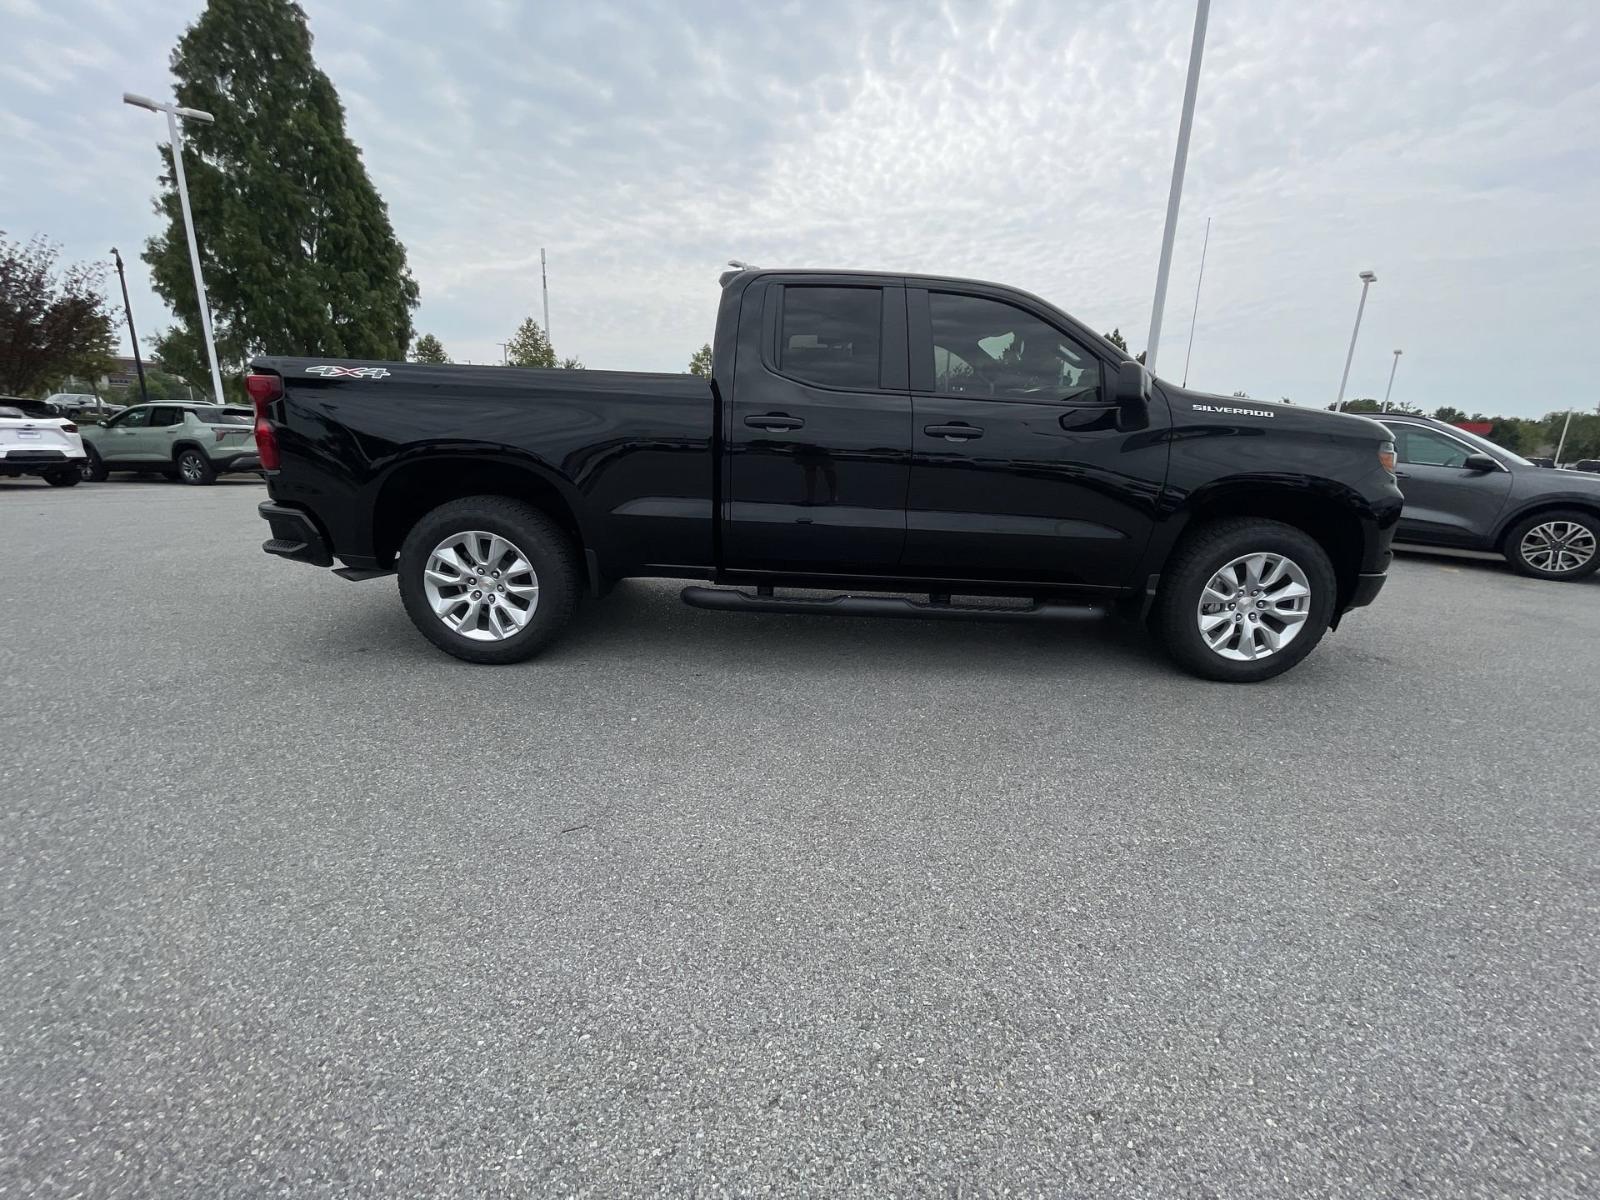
x=1481 y=462
x=1130 y=391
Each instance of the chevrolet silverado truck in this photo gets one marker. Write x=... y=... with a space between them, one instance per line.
x=916 y=446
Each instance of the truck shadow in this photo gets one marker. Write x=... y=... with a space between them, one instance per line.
x=647 y=618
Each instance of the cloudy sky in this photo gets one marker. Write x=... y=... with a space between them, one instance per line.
x=1452 y=148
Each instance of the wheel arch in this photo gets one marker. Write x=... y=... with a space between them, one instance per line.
x=1330 y=515
x=1544 y=504
x=188 y=444
x=412 y=489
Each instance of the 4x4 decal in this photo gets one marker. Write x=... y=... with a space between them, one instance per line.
x=329 y=371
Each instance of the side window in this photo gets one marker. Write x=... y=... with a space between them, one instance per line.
x=134 y=418
x=992 y=350
x=831 y=335
x=160 y=418
x=1426 y=448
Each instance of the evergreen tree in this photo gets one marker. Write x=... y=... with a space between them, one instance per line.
x=700 y=364
x=429 y=350
x=298 y=252
x=529 y=347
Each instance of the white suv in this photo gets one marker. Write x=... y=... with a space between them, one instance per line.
x=46 y=446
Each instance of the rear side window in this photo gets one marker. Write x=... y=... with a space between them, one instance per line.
x=831 y=336
x=218 y=416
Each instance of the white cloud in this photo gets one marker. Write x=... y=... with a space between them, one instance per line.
x=1452 y=150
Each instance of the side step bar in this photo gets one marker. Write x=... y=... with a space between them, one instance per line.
x=728 y=600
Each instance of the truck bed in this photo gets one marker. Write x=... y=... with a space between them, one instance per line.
x=630 y=453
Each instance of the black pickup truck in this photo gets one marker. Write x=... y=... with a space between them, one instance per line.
x=880 y=436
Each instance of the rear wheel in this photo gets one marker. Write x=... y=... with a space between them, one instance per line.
x=1562 y=545
x=64 y=477
x=1244 y=599
x=195 y=469
x=488 y=579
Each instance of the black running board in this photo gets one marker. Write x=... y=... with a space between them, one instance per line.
x=727 y=600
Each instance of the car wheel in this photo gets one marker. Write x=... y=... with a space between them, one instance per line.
x=64 y=477
x=195 y=469
x=1244 y=599
x=488 y=579
x=93 y=468
x=1562 y=545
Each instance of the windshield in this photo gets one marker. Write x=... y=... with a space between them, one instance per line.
x=220 y=416
x=1491 y=447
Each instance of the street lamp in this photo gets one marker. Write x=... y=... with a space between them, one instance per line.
x=173 y=112
x=1390 y=388
x=1367 y=280
x=1202 y=10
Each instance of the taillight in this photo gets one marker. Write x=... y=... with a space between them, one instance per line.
x=219 y=434
x=264 y=389
x=1386 y=456
x=69 y=427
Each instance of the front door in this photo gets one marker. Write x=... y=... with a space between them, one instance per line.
x=1445 y=502
x=819 y=430
x=124 y=438
x=1021 y=468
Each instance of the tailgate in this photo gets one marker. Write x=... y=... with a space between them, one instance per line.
x=29 y=438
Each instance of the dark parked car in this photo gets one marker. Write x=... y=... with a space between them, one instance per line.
x=1591 y=465
x=1541 y=461
x=860 y=432
x=1466 y=492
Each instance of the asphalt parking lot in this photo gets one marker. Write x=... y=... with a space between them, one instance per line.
x=710 y=903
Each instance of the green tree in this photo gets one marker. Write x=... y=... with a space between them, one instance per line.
x=571 y=363
x=53 y=323
x=1116 y=339
x=429 y=350
x=529 y=347
x=298 y=251
x=700 y=362
x=1449 y=414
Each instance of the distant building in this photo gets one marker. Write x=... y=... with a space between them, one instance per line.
x=1481 y=428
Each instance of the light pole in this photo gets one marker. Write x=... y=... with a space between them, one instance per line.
x=1180 y=160
x=173 y=112
x=1562 y=444
x=1390 y=388
x=138 y=363
x=544 y=281
x=1367 y=280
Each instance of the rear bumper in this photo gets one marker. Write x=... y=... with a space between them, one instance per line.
x=37 y=462
x=295 y=535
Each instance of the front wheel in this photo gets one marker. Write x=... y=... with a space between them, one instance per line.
x=1561 y=546
x=1244 y=599
x=195 y=469
x=488 y=579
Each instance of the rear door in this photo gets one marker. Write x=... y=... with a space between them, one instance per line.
x=166 y=427
x=1444 y=501
x=819 y=428
x=1020 y=469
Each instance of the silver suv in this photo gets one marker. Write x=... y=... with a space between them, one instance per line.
x=193 y=443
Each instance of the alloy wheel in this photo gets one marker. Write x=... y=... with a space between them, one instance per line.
x=1558 y=546
x=1254 y=606
x=481 y=586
